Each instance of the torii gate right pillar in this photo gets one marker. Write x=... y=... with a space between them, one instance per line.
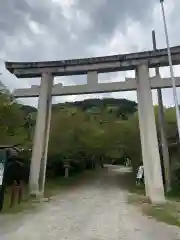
x=148 y=133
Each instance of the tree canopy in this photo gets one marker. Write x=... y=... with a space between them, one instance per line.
x=87 y=130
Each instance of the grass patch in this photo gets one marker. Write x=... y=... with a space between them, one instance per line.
x=164 y=213
x=25 y=205
x=168 y=213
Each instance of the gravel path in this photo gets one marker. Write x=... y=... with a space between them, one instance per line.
x=97 y=211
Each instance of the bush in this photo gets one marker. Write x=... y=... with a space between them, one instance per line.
x=55 y=166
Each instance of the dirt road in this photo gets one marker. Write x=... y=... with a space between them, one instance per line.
x=97 y=211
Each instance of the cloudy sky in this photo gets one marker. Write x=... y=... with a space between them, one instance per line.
x=32 y=30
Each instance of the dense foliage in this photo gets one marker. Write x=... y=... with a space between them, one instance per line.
x=84 y=133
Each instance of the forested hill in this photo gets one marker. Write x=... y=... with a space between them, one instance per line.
x=122 y=106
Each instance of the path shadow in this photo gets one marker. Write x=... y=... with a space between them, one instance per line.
x=123 y=178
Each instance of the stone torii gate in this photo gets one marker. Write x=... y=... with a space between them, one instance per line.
x=140 y=62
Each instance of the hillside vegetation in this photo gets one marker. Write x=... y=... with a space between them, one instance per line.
x=86 y=133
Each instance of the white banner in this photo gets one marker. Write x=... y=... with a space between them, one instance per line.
x=1 y=172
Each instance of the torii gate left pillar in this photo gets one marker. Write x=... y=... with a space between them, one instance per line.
x=41 y=137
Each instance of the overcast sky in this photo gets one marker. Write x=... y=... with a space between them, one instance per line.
x=32 y=30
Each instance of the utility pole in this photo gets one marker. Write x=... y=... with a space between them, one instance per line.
x=163 y=140
x=171 y=68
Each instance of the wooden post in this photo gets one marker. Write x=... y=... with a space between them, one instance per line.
x=16 y=194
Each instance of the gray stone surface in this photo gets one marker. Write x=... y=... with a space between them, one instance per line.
x=96 y=211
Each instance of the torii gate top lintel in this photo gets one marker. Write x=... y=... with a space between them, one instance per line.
x=122 y=62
